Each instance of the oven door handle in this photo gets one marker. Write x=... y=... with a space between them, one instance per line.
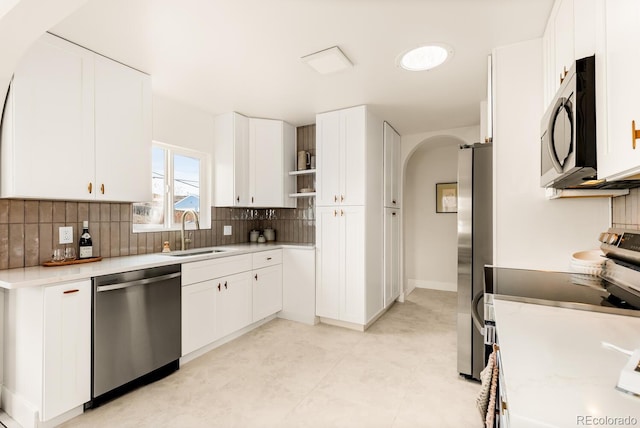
x=475 y=316
x=145 y=281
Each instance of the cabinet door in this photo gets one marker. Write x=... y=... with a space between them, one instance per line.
x=233 y=303
x=67 y=347
x=122 y=132
x=47 y=134
x=617 y=157
x=241 y=158
x=391 y=255
x=328 y=158
x=329 y=243
x=391 y=166
x=352 y=161
x=267 y=291
x=198 y=315
x=352 y=264
x=266 y=167
x=563 y=39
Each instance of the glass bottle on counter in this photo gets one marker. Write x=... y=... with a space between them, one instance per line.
x=85 y=244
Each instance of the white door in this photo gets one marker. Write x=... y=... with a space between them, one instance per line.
x=352 y=264
x=352 y=156
x=328 y=158
x=122 y=132
x=266 y=163
x=234 y=308
x=329 y=250
x=267 y=291
x=67 y=347
x=617 y=156
x=241 y=155
x=391 y=166
x=198 y=315
x=391 y=255
x=48 y=130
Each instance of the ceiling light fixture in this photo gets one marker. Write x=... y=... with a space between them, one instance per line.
x=327 y=61
x=425 y=57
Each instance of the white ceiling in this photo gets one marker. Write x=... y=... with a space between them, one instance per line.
x=244 y=55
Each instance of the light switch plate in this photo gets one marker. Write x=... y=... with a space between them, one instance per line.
x=66 y=234
x=227 y=230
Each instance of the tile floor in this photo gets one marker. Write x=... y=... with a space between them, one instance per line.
x=399 y=373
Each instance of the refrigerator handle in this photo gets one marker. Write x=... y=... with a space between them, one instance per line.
x=475 y=315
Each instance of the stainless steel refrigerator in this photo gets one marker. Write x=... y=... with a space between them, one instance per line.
x=475 y=249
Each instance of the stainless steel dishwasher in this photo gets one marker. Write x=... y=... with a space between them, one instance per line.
x=136 y=330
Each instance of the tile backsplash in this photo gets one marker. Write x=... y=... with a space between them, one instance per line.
x=29 y=228
x=625 y=210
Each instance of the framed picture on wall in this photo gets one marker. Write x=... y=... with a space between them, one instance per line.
x=447 y=197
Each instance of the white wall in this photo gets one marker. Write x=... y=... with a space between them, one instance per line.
x=22 y=22
x=182 y=125
x=431 y=239
x=529 y=230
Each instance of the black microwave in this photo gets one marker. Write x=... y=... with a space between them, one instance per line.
x=568 y=131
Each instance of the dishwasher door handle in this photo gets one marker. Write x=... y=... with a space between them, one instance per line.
x=144 y=281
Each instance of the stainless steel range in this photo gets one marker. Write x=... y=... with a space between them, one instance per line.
x=616 y=290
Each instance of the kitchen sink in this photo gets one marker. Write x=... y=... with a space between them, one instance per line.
x=193 y=252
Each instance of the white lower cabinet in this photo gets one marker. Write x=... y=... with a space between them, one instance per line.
x=299 y=285
x=198 y=315
x=233 y=304
x=67 y=347
x=340 y=284
x=267 y=291
x=224 y=295
x=47 y=366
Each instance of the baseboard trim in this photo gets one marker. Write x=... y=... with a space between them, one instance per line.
x=293 y=316
x=432 y=285
x=18 y=409
x=343 y=324
x=210 y=347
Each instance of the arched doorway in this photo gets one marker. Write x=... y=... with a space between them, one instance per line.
x=430 y=251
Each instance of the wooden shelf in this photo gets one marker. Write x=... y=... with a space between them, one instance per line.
x=302 y=195
x=303 y=172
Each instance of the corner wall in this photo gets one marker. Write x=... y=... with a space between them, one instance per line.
x=529 y=230
x=431 y=244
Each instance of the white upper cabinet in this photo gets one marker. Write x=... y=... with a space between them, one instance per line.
x=47 y=132
x=122 y=132
x=340 y=151
x=231 y=160
x=617 y=89
x=272 y=145
x=69 y=112
x=252 y=160
x=569 y=35
x=391 y=166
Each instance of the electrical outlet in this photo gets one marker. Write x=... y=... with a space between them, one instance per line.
x=227 y=230
x=66 y=235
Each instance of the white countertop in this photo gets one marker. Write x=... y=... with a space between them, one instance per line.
x=555 y=368
x=40 y=275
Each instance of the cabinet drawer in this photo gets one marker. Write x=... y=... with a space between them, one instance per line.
x=208 y=269
x=267 y=258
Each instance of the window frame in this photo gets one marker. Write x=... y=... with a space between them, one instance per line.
x=205 y=175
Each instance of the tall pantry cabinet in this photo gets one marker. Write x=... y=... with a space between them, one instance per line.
x=349 y=217
x=391 y=214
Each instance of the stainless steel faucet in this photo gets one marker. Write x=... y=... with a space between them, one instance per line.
x=184 y=215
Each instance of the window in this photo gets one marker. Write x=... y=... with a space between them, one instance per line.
x=179 y=183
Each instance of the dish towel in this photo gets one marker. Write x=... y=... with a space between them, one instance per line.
x=486 y=401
